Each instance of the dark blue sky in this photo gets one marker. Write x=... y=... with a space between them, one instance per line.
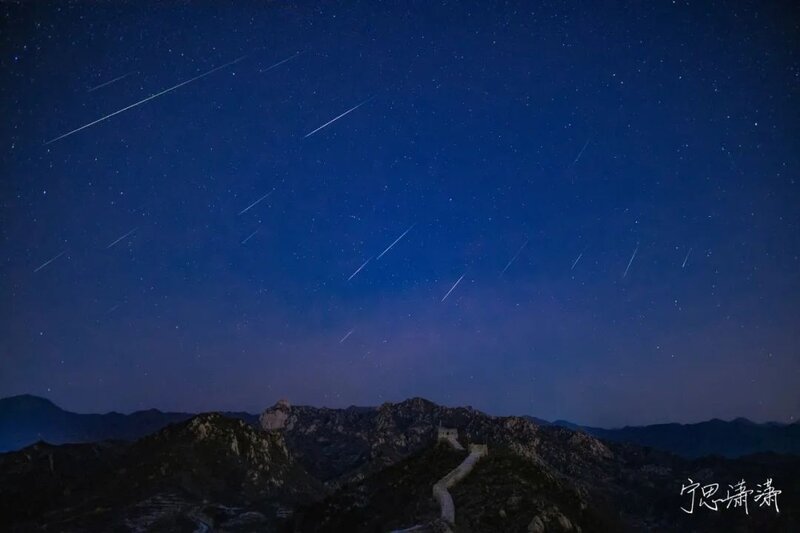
x=567 y=131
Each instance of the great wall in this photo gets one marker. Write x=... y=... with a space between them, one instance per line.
x=440 y=488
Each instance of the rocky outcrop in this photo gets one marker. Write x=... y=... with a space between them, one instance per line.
x=340 y=445
x=551 y=519
x=275 y=418
x=211 y=454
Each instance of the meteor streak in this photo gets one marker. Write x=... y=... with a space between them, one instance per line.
x=48 y=262
x=279 y=63
x=630 y=262
x=109 y=82
x=581 y=152
x=578 y=258
x=140 y=102
x=115 y=242
x=246 y=209
x=515 y=256
x=358 y=269
x=337 y=118
x=345 y=337
x=395 y=241
x=453 y=287
x=249 y=236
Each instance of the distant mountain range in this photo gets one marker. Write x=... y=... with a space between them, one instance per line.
x=308 y=469
x=735 y=438
x=27 y=419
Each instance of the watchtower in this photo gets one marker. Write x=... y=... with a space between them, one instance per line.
x=447 y=434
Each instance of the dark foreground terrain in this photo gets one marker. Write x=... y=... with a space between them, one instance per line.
x=363 y=469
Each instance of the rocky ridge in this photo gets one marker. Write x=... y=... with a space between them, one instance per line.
x=371 y=469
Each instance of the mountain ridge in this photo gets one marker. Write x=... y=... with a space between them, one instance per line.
x=303 y=468
x=26 y=419
x=733 y=438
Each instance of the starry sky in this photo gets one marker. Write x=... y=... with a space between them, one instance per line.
x=597 y=205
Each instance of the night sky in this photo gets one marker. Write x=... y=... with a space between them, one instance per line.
x=609 y=190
